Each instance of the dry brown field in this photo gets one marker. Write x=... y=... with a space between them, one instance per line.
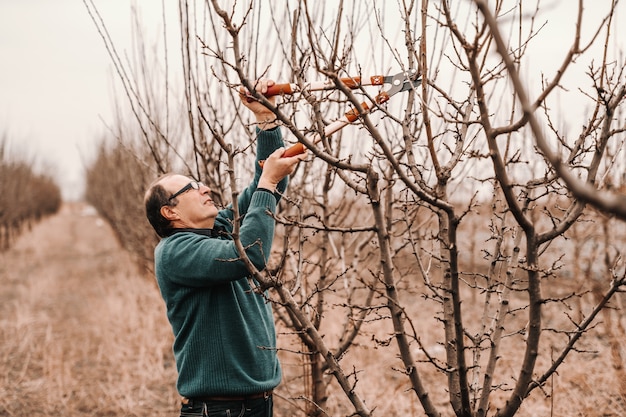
x=83 y=333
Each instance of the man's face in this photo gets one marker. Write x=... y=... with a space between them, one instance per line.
x=194 y=209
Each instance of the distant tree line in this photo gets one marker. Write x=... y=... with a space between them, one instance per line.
x=116 y=181
x=25 y=195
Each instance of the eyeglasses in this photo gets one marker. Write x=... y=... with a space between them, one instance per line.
x=193 y=184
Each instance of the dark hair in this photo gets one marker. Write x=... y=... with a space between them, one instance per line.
x=157 y=197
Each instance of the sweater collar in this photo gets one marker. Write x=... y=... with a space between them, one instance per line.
x=215 y=232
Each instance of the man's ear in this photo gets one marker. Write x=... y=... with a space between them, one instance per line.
x=169 y=213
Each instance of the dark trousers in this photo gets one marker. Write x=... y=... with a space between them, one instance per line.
x=258 y=407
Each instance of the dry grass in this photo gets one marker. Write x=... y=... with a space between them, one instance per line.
x=82 y=334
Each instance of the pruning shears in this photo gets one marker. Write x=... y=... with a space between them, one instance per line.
x=400 y=82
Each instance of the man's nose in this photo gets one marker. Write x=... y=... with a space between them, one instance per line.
x=204 y=189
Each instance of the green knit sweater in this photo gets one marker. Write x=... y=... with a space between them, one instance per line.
x=224 y=333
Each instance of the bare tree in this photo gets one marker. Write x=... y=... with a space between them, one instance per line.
x=439 y=232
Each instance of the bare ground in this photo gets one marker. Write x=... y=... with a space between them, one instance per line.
x=82 y=333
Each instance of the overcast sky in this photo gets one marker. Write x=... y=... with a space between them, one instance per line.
x=56 y=79
x=56 y=76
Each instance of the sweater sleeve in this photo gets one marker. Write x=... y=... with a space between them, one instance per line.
x=267 y=142
x=195 y=260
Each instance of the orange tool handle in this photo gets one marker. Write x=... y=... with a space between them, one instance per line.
x=350 y=82
x=293 y=150
x=278 y=89
x=275 y=90
x=286 y=88
x=353 y=113
x=355 y=82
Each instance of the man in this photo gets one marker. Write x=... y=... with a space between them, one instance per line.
x=225 y=341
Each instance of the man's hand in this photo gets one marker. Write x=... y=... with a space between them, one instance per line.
x=277 y=167
x=265 y=119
